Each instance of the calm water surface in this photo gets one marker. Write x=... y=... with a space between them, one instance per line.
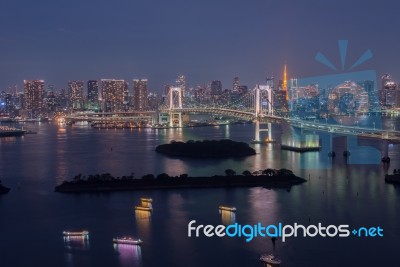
x=32 y=216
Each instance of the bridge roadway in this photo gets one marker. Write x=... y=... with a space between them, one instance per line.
x=242 y=114
x=391 y=135
x=108 y=119
x=217 y=111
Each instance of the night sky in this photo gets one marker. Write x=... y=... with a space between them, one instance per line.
x=205 y=40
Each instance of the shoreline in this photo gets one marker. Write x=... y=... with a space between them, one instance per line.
x=218 y=181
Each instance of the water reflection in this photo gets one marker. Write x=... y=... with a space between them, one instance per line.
x=227 y=217
x=263 y=206
x=143 y=223
x=129 y=255
x=11 y=140
x=329 y=196
x=76 y=242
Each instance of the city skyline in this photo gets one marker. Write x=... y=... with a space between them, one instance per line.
x=202 y=133
x=158 y=44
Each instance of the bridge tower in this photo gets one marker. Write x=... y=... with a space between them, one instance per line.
x=175 y=118
x=263 y=100
x=263 y=106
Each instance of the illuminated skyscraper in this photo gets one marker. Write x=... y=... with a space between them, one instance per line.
x=93 y=91
x=75 y=93
x=181 y=83
x=236 y=85
x=126 y=93
x=113 y=94
x=373 y=97
x=140 y=94
x=93 y=94
x=385 y=79
x=34 y=98
x=216 y=88
x=388 y=91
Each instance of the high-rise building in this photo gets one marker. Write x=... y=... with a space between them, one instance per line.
x=280 y=102
x=8 y=103
x=112 y=94
x=388 y=92
x=93 y=94
x=154 y=101
x=34 y=98
x=93 y=91
x=385 y=79
x=373 y=97
x=75 y=93
x=62 y=99
x=140 y=94
x=236 y=85
x=51 y=101
x=51 y=88
x=181 y=83
x=216 y=88
x=126 y=93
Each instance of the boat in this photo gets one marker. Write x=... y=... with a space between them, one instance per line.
x=6 y=131
x=149 y=200
x=143 y=208
x=270 y=259
x=127 y=241
x=83 y=233
x=233 y=209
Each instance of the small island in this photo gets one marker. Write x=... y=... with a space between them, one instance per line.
x=268 y=178
x=3 y=190
x=206 y=149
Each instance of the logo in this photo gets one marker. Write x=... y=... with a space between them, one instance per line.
x=280 y=230
x=343 y=104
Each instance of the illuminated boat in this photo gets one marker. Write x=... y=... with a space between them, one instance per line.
x=233 y=209
x=127 y=241
x=270 y=259
x=143 y=208
x=6 y=131
x=76 y=234
x=149 y=200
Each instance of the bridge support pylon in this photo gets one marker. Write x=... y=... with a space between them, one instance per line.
x=258 y=130
x=331 y=152
x=346 y=153
x=385 y=157
x=175 y=118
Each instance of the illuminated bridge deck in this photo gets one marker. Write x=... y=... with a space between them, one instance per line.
x=346 y=130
